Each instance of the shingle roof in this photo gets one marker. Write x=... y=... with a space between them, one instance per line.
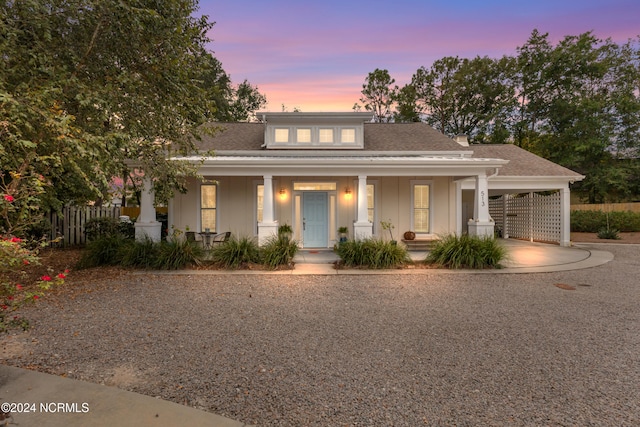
x=377 y=137
x=407 y=137
x=233 y=136
x=397 y=137
x=521 y=161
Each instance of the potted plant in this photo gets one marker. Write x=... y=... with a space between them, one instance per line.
x=343 y=232
x=388 y=225
x=190 y=235
x=285 y=231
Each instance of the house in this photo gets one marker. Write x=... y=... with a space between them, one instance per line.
x=321 y=171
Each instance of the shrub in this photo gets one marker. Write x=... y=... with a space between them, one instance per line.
x=594 y=221
x=465 y=251
x=15 y=256
x=96 y=228
x=278 y=250
x=372 y=253
x=175 y=253
x=235 y=252
x=105 y=250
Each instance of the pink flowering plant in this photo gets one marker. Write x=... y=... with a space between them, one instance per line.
x=15 y=257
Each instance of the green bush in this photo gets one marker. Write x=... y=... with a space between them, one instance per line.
x=465 y=251
x=105 y=250
x=96 y=228
x=175 y=253
x=278 y=251
x=594 y=221
x=236 y=252
x=372 y=253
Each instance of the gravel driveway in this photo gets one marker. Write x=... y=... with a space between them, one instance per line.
x=362 y=350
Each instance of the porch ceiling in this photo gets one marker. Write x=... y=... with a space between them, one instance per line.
x=414 y=165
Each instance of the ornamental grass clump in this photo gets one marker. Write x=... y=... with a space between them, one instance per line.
x=105 y=250
x=372 y=253
x=466 y=251
x=235 y=253
x=176 y=254
x=139 y=254
x=278 y=251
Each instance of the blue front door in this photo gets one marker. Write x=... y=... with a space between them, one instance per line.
x=315 y=219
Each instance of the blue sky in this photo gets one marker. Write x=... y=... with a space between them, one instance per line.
x=315 y=55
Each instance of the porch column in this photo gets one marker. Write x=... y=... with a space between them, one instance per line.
x=481 y=224
x=146 y=225
x=362 y=228
x=268 y=227
x=565 y=217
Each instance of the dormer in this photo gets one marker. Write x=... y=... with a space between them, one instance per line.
x=301 y=131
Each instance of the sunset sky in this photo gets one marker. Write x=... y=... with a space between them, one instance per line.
x=314 y=56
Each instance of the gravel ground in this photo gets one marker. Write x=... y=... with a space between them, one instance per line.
x=356 y=350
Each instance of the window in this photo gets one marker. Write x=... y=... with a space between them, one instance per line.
x=303 y=135
x=325 y=135
x=348 y=135
x=281 y=135
x=421 y=212
x=208 y=204
x=259 y=204
x=314 y=186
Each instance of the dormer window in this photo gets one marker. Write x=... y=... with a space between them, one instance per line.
x=303 y=135
x=315 y=130
x=325 y=136
x=281 y=135
x=348 y=136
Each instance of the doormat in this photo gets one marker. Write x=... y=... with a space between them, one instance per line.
x=314 y=252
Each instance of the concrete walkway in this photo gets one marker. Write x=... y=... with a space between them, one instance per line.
x=53 y=401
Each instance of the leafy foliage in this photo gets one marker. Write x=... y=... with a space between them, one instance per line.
x=594 y=221
x=576 y=103
x=466 y=251
x=77 y=102
x=236 y=252
x=372 y=253
x=278 y=251
x=15 y=255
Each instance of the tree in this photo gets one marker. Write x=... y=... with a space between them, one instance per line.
x=579 y=108
x=77 y=102
x=407 y=109
x=465 y=96
x=378 y=94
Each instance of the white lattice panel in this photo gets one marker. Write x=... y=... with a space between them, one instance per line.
x=526 y=216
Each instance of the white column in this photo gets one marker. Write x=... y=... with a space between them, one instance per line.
x=481 y=224
x=146 y=225
x=267 y=209
x=362 y=228
x=565 y=217
x=268 y=227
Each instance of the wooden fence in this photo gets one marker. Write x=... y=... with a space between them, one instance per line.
x=70 y=224
x=608 y=207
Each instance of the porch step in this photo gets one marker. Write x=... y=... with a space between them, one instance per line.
x=419 y=244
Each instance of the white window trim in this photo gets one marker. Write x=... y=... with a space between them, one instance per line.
x=413 y=183
x=217 y=209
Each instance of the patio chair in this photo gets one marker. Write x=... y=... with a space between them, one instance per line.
x=220 y=238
